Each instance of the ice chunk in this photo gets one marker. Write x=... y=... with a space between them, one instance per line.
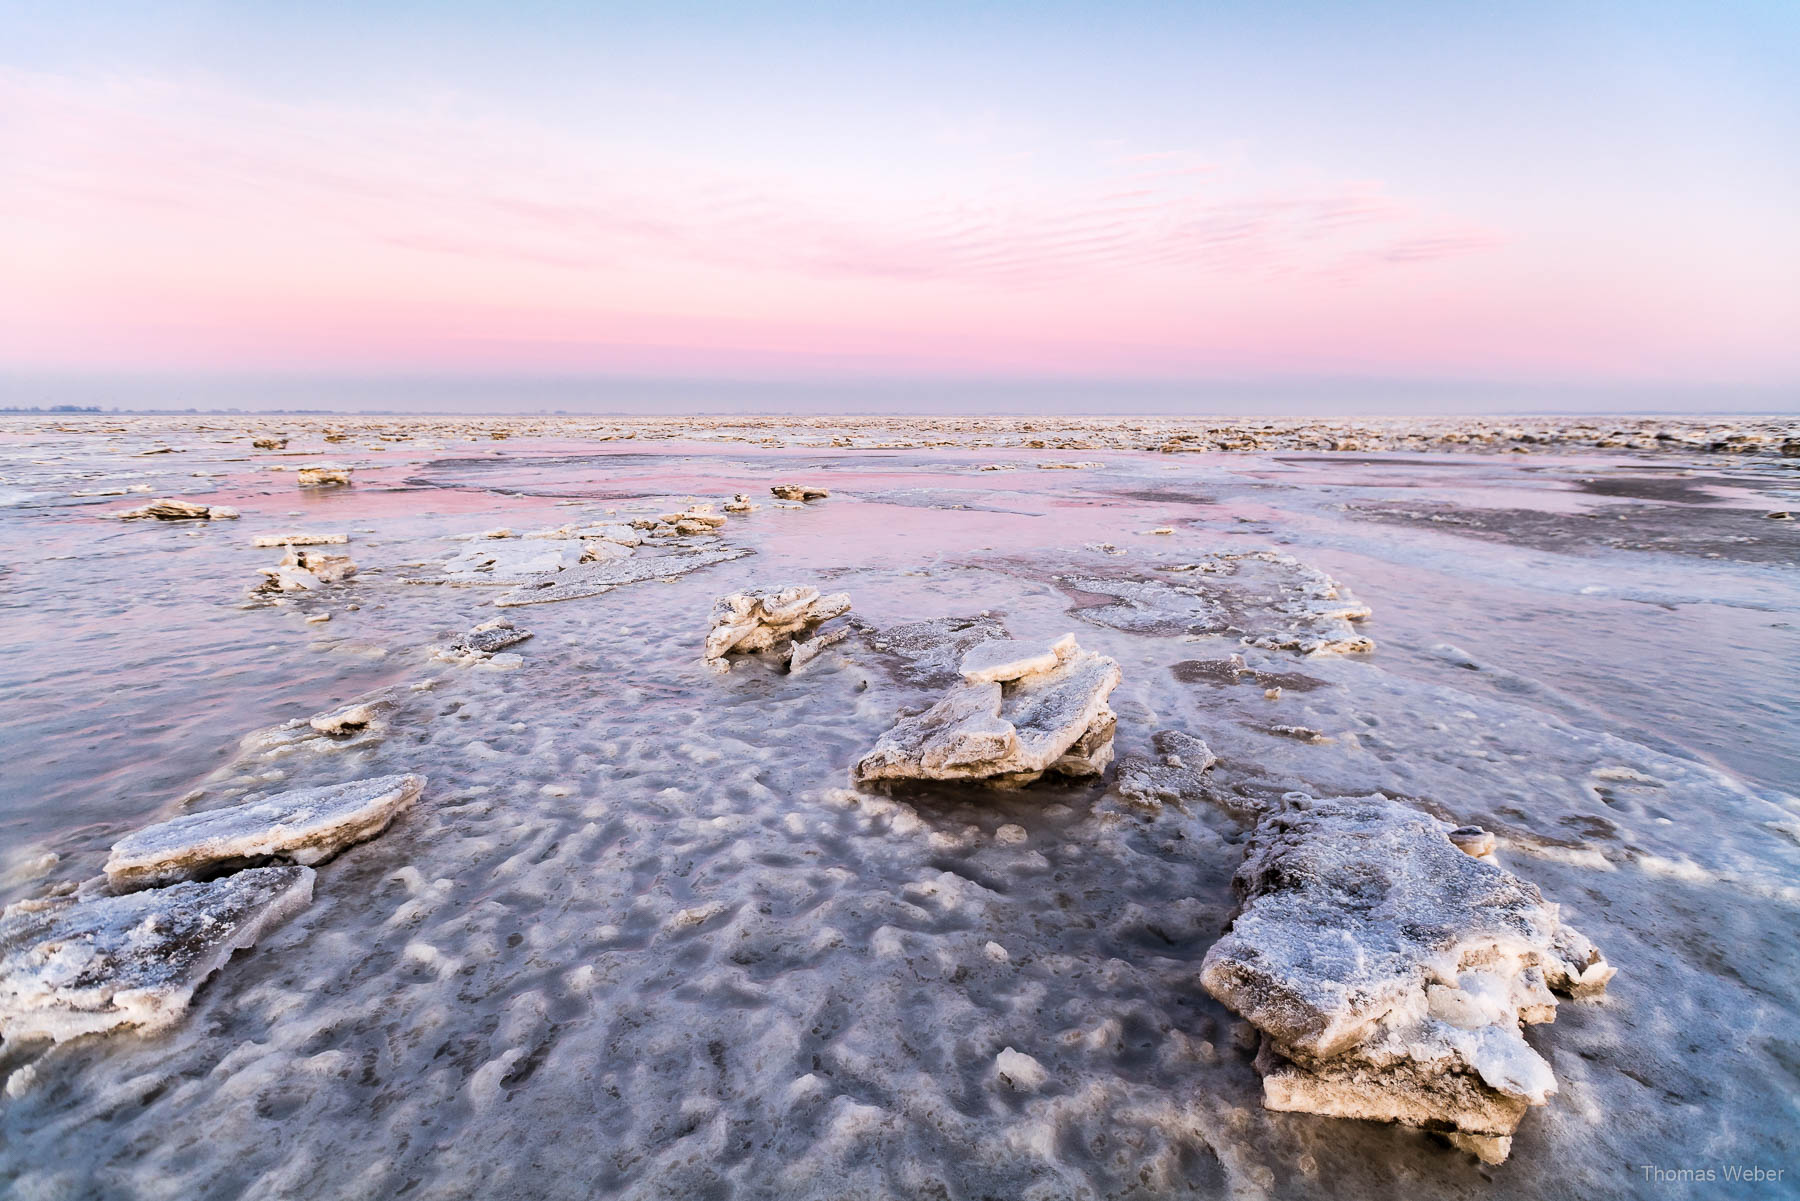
x=69 y=968
x=512 y=562
x=307 y=826
x=1008 y=659
x=1390 y=972
x=1175 y=774
x=929 y=653
x=350 y=719
x=167 y=509
x=799 y=492
x=1005 y=734
x=324 y=475
x=802 y=651
x=304 y=570
x=1019 y=1071
x=744 y=622
x=483 y=640
x=266 y=541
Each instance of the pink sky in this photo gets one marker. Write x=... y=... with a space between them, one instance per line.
x=148 y=224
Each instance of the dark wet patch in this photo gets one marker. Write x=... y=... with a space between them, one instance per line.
x=547 y=491
x=1288 y=681
x=1680 y=490
x=1165 y=496
x=1233 y=671
x=1207 y=671
x=1742 y=535
x=1394 y=460
x=1297 y=733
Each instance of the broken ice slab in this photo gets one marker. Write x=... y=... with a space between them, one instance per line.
x=594 y=579
x=1269 y=600
x=745 y=622
x=802 y=651
x=306 y=570
x=1175 y=775
x=351 y=719
x=1002 y=659
x=929 y=653
x=324 y=475
x=1390 y=972
x=168 y=509
x=69 y=968
x=801 y=492
x=484 y=640
x=512 y=562
x=1006 y=734
x=307 y=826
x=266 y=541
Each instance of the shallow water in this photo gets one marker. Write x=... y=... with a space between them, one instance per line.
x=639 y=937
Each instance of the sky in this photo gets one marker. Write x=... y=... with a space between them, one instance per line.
x=1109 y=206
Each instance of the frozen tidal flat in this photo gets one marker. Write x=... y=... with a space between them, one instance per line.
x=641 y=937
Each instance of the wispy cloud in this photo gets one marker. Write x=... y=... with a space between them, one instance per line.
x=129 y=187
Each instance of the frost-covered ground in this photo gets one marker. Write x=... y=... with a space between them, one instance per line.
x=640 y=937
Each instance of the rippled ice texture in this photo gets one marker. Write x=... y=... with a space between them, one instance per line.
x=639 y=937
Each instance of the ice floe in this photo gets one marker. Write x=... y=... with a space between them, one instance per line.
x=511 y=562
x=268 y=541
x=69 y=968
x=1267 y=599
x=324 y=475
x=1006 y=734
x=1389 y=972
x=302 y=570
x=801 y=492
x=745 y=622
x=483 y=640
x=170 y=509
x=306 y=826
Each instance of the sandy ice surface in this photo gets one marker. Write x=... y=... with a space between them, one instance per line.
x=641 y=938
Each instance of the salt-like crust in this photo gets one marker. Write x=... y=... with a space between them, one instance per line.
x=69 y=968
x=1390 y=972
x=745 y=622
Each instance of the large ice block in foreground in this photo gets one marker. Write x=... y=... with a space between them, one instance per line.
x=1390 y=973
x=69 y=968
x=308 y=826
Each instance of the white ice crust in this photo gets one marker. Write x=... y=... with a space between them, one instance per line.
x=69 y=968
x=308 y=826
x=1390 y=972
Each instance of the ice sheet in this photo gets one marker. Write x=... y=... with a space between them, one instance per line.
x=645 y=941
